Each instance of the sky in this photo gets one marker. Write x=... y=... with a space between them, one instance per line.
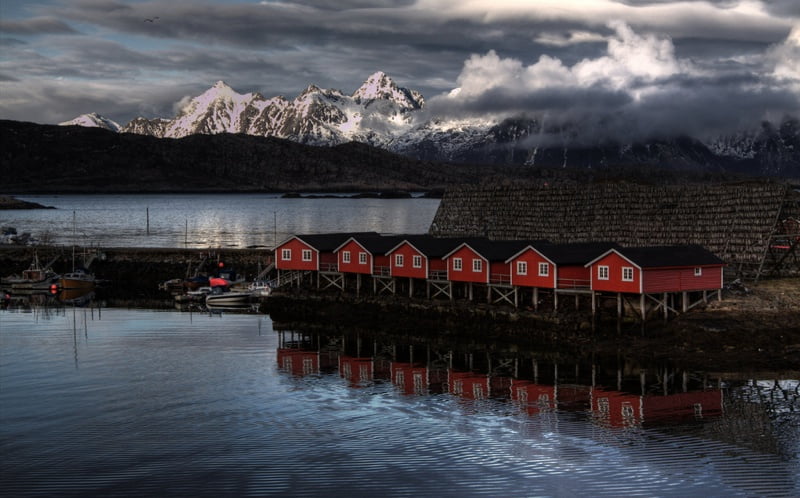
x=651 y=65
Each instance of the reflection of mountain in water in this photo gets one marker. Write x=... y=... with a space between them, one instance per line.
x=612 y=393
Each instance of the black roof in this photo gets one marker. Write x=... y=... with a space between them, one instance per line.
x=327 y=242
x=575 y=253
x=500 y=250
x=376 y=243
x=435 y=247
x=683 y=255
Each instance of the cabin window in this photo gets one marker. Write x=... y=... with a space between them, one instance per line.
x=544 y=269
x=627 y=274
x=398 y=260
x=522 y=267
x=286 y=254
x=477 y=265
x=306 y=254
x=602 y=273
x=346 y=256
x=416 y=261
x=457 y=264
x=362 y=258
x=698 y=272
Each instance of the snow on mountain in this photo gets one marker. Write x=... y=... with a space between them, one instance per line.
x=93 y=120
x=381 y=114
x=376 y=113
x=380 y=87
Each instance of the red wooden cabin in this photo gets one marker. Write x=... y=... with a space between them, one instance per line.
x=365 y=254
x=646 y=270
x=314 y=252
x=482 y=261
x=421 y=256
x=555 y=266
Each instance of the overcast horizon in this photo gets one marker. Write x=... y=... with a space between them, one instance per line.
x=652 y=65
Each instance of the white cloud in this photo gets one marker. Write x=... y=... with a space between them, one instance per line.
x=786 y=57
x=632 y=62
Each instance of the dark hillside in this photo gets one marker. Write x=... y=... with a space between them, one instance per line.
x=46 y=158
x=38 y=158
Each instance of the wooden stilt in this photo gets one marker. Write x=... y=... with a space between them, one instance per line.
x=535 y=299
x=643 y=307
x=685 y=301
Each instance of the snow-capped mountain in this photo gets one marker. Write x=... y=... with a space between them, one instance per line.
x=375 y=113
x=381 y=114
x=93 y=120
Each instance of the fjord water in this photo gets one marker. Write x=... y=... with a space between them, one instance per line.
x=210 y=220
x=111 y=401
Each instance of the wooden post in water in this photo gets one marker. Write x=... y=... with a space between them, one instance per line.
x=147 y=211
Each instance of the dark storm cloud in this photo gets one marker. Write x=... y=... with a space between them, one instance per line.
x=669 y=52
x=36 y=26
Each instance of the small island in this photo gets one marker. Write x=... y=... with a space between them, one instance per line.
x=8 y=202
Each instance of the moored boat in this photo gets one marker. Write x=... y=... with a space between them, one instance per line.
x=35 y=278
x=223 y=296
x=77 y=279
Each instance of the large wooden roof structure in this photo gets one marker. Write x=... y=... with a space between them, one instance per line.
x=744 y=224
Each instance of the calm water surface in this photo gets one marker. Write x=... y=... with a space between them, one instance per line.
x=209 y=220
x=102 y=402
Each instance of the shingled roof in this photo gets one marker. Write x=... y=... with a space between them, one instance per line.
x=733 y=221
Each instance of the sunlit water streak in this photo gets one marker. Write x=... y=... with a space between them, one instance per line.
x=209 y=220
x=134 y=402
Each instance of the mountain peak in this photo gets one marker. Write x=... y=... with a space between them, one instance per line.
x=380 y=86
x=93 y=120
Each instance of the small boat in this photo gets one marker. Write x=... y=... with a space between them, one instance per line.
x=224 y=296
x=35 y=279
x=77 y=279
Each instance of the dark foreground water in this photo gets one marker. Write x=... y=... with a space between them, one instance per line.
x=103 y=402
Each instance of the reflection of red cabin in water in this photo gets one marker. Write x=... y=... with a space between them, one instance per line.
x=542 y=397
x=619 y=409
x=409 y=378
x=298 y=362
x=356 y=370
x=468 y=385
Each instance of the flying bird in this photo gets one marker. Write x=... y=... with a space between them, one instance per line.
x=150 y=19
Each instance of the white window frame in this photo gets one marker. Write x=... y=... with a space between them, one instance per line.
x=362 y=258
x=522 y=267
x=602 y=272
x=286 y=254
x=398 y=260
x=458 y=264
x=544 y=270
x=416 y=261
x=627 y=274
x=477 y=265
x=698 y=271
x=307 y=256
x=345 y=256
